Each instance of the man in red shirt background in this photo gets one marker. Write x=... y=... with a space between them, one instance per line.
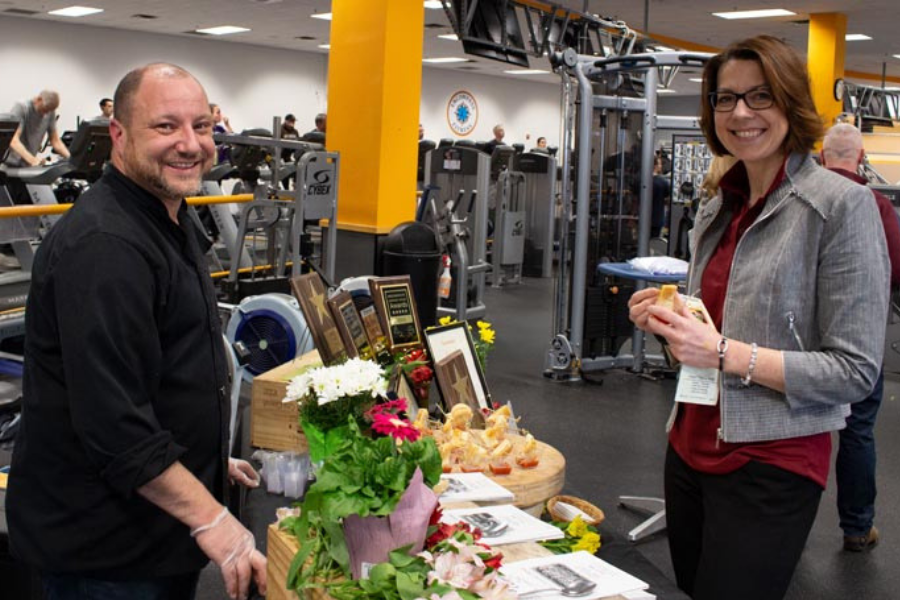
x=842 y=152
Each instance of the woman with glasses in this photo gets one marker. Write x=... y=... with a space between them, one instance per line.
x=791 y=264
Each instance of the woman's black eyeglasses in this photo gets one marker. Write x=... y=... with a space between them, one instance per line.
x=755 y=99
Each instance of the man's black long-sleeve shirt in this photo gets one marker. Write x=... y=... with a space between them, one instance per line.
x=125 y=373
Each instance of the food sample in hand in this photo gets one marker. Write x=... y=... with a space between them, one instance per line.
x=667 y=295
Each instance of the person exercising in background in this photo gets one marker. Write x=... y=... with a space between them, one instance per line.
x=220 y=125
x=321 y=124
x=106 y=109
x=541 y=146
x=499 y=134
x=37 y=118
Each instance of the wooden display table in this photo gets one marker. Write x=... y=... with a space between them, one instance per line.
x=282 y=547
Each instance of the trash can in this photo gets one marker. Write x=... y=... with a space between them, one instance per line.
x=411 y=249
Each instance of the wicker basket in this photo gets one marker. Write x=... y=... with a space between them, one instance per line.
x=595 y=515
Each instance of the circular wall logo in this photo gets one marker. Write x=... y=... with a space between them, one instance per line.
x=462 y=113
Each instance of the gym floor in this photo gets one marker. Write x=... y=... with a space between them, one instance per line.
x=611 y=432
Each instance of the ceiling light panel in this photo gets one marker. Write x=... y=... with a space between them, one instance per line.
x=323 y=16
x=856 y=37
x=755 y=14
x=222 y=30
x=445 y=60
x=75 y=11
x=527 y=72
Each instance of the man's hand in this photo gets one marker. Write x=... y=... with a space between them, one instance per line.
x=240 y=471
x=228 y=544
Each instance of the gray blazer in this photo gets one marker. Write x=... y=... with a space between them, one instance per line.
x=810 y=277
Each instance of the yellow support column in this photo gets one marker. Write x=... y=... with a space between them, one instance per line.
x=374 y=89
x=825 y=59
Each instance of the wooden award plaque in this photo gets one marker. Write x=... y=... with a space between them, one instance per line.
x=375 y=333
x=396 y=305
x=310 y=293
x=350 y=326
x=455 y=382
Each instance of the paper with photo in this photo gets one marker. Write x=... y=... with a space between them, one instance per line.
x=473 y=487
x=504 y=524
x=609 y=580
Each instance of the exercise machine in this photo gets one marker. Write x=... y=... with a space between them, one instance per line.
x=613 y=196
x=280 y=220
x=539 y=170
x=508 y=244
x=458 y=181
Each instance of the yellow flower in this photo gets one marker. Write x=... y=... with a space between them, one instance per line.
x=577 y=527
x=483 y=325
x=445 y=320
x=589 y=542
x=487 y=335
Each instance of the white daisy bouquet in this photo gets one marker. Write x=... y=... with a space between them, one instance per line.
x=328 y=395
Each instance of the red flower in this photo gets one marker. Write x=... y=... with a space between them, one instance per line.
x=415 y=356
x=388 y=424
x=436 y=516
x=494 y=562
x=441 y=533
x=392 y=407
x=421 y=375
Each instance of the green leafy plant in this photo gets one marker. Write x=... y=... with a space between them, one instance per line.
x=454 y=564
x=363 y=476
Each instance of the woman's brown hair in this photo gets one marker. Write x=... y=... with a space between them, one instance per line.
x=788 y=79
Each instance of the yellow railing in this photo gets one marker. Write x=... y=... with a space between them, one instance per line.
x=33 y=210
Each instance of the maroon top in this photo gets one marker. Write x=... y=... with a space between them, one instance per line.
x=695 y=433
x=891 y=225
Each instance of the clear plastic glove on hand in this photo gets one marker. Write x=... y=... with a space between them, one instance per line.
x=240 y=471
x=232 y=547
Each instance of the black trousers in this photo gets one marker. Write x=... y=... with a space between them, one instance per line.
x=737 y=536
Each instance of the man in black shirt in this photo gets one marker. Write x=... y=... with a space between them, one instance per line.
x=121 y=465
x=499 y=134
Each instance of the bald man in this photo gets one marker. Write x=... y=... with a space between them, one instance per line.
x=121 y=468
x=842 y=152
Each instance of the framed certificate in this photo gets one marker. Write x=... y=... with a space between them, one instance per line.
x=396 y=306
x=350 y=326
x=444 y=341
x=310 y=293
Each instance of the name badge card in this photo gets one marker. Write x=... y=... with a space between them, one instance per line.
x=697 y=385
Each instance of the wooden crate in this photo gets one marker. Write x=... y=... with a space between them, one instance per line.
x=282 y=547
x=274 y=424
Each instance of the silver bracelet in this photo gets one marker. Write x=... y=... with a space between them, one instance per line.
x=746 y=380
